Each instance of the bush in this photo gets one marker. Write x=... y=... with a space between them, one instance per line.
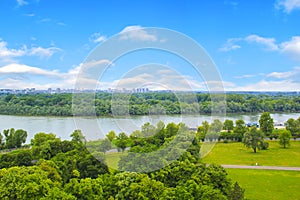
x=264 y=145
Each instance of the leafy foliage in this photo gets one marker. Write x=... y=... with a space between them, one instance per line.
x=66 y=170
x=284 y=138
x=254 y=139
x=143 y=103
x=266 y=123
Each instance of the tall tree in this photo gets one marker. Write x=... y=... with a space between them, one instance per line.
x=266 y=123
x=237 y=192
x=205 y=125
x=253 y=139
x=216 y=126
x=284 y=138
x=121 y=141
x=228 y=125
x=14 y=138
x=293 y=126
x=78 y=137
x=239 y=129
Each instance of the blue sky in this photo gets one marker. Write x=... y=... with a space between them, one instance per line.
x=254 y=44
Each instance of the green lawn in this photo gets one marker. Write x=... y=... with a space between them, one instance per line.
x=113 y=158
x=238 y=154
x=267 y=184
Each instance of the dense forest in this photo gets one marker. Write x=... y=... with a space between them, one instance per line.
x=107 y=104
x=56 y=169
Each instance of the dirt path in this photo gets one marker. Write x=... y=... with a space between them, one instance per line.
x=262 y=167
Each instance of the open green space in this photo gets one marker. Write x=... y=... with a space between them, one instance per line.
x=112 y=159
x=238 y=154
x=267 y=184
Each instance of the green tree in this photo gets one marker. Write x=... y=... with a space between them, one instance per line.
x=266 y=123
x=85 y=189
x=239 y=129
x=216 y=126
x=205 y=126
x=41 y=138
x=138 y=186
x=14 y=139
x=202 y=130
x=284 y=138
x=200 y=133
x=171 y=130
x=121 y=141
x=293 y=126
x=78 y=137
x=253 y=139
x=25 y=183
x=1 y=141
x=228 y=125
x=105 y=145
x=237 y=192
x=148 y=130
x=111 y=135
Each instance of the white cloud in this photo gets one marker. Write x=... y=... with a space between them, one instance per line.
x=231 y=44
x=61 y=24
x=97 y=38
x=269 y=43
x=292 y=47
x=43 y=52
x=280 y=75
x=45 y=20
x=22 y=2
x=25 y=69
x=292 y=75
x=288 y=5
x=245 y=76
x=264 y=85
x=29 y=15
x=274 y=81
x=7 y=54
x=137 y=33
x=18 y=76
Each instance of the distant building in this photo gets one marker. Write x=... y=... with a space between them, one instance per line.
x=250 y=124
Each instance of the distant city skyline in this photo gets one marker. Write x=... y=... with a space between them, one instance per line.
x=254 y=44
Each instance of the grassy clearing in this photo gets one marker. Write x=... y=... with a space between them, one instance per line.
x=238 y=154
x=112 y=159
x=267 y=184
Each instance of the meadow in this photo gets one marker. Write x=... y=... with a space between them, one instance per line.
x=238 y=154
x=261 y=184
x=267 y=184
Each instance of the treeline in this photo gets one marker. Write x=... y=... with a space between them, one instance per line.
x=56 y=169
x=107 y=104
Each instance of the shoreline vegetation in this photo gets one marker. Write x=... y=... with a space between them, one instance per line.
x=139 y=104
x=165 y=158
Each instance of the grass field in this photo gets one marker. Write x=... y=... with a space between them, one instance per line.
x=113 y=158
x=238 y=154
x=258 y=184
x=267 y=184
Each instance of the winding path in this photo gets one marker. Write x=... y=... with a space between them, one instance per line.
x=262 y=167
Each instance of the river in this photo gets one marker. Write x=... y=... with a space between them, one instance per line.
x=95 y=128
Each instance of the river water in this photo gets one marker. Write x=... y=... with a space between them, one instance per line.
x=95 y=128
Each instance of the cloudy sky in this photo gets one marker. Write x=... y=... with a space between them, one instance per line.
x=255 y=45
